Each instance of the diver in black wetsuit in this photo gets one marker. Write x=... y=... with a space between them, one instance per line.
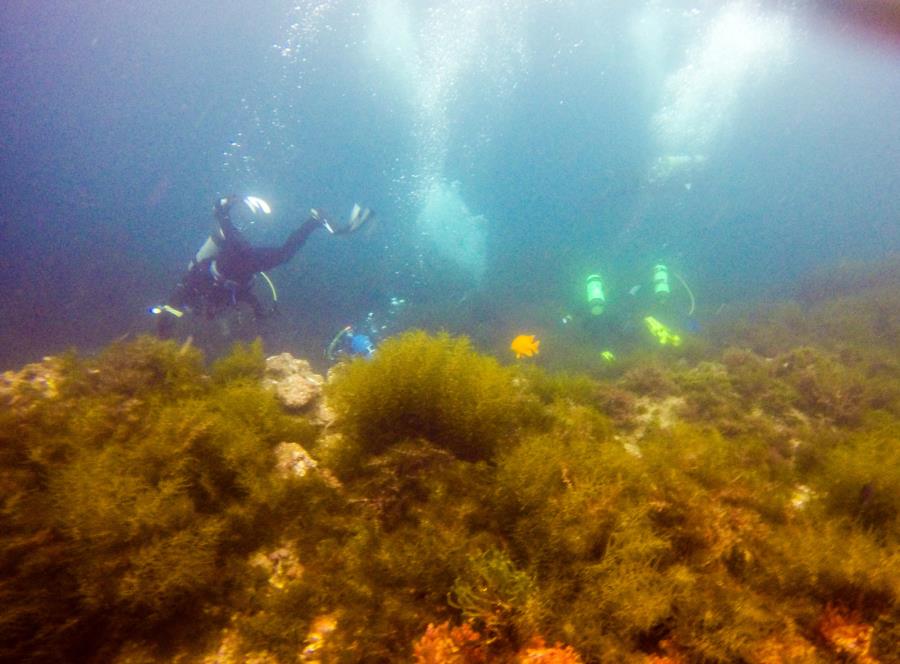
x=222 y=272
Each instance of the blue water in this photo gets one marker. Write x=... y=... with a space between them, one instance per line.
x=746 y=144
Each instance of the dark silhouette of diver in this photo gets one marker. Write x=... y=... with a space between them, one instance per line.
x=222 y=272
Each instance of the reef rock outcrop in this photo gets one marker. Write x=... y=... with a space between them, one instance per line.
x=36 y=381
x=295 y=383
x=293 y=461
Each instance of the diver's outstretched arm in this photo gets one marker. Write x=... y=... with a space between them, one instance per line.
x=260 y=259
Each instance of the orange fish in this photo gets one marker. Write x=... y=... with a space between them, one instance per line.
x=525 y=345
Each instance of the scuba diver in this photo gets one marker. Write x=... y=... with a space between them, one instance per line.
x=360 y=340
x=350 y=342
x=222 y=272
x=616 y=321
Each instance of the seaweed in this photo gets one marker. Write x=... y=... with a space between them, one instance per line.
x=753 y=378
x=650 y=379
x=280 y=620
x=435 y=388
x=449 y=645
x=384 y=551
x=710 y=395
x=825 y=386
x=491 y=594
x=740 y=504
x=245 y=361
x=130 y=489
x=859 y=476
x=550 y=387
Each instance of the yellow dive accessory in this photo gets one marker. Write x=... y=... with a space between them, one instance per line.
x=169 y=310
x=663 y=334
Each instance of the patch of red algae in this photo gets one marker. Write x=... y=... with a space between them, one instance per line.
x=537 y=652
x=449 y=645
x=847 y=634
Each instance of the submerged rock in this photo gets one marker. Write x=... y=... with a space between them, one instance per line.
x=321 y=628
x=323 y=415
x=230 y=650
x=292 y=460
x=659 y=412
x=295 y=383
x=281 y=565
x=33 y=382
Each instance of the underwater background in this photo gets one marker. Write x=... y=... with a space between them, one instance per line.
x=633 y=284
x=509 y=148
x=634 y=290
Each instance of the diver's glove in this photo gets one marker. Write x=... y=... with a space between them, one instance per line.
x=321 y=216
x=222 y=208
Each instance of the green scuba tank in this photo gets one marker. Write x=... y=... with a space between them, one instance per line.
x=595 y=296
x=661 y=282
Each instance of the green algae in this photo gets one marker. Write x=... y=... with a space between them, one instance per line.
x=435 y=388
x=492 y=593
x=244 y=362
x=709 y=510
x=859 y=476
x=132 y=490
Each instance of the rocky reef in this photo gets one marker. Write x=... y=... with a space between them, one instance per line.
x=434 y=505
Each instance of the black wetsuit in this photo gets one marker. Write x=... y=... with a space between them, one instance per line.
x=225 y=278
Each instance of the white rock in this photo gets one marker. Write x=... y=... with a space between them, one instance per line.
x=296 y=385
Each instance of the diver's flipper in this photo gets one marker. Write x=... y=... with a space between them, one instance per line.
x=358 y=218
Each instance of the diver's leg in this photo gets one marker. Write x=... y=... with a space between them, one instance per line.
x=246 y=295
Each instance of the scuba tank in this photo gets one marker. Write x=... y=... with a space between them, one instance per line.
x=661 y=287
x=595 y=296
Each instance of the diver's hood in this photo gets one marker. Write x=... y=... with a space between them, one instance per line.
x=253 y=217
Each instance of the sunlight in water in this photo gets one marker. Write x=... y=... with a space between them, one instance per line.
x=699 y=98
